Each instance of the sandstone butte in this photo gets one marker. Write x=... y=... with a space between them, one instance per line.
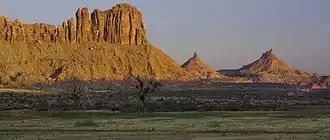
x=110 y=44
x=268 y=68
x=197 y=67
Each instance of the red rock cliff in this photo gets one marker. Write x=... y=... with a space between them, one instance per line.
x=122 y=24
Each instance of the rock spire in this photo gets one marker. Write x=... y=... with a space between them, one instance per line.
x=197 y=67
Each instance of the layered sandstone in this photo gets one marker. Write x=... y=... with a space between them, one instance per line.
x=108 y=45
x=120 y=25
x=197 y=67
x=268 y=68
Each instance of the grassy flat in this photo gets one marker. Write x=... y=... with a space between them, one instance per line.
x=161 y=126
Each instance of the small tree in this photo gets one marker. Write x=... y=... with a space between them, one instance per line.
x=145 y=87
x=77 y=91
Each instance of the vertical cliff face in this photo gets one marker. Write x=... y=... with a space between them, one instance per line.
x=72 y=32
x=98 y=25
x=83 y=25
x=120 y=25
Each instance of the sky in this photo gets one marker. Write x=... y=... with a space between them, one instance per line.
x=225 y=33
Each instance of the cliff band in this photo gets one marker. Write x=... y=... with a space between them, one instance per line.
x=110 y=44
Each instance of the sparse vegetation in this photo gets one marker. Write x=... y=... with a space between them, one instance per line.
x=146 y=87
x=131 y=99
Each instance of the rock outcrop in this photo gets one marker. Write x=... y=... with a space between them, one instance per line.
x=110 y=45
x=197 y=67
x=325 y=81
x=83 y=25
x=267 y=62
x=268 y=68
x=120 y=25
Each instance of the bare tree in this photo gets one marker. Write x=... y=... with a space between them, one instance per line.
x=76 y=91
x=145 y=87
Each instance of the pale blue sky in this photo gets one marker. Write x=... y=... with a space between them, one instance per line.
x=225 y=33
